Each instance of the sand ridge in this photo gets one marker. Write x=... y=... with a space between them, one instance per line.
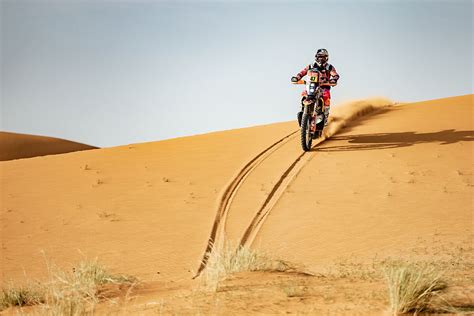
x=16 y=146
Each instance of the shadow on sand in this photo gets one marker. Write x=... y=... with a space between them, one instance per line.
x=394 y=140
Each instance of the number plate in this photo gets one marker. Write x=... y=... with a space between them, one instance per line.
x=313 y=77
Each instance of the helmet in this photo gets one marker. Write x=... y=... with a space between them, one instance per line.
x=321 y=57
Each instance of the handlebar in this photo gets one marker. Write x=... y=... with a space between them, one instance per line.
x=322 y=84
x=299 y=82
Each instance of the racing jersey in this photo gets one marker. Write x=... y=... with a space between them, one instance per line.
x=328 y=73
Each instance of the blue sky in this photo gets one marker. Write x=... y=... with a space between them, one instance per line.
x=109 y=73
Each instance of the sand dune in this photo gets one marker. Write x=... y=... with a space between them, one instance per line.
x=381 y=186
x=16 y=146
x=145 y=208
x=386 y=181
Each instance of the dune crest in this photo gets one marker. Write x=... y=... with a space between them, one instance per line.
x=16 y=146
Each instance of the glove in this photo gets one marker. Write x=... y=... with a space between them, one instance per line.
x=295 y=79
x=334 y=82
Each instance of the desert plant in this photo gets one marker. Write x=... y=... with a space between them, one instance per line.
x=75 y=293
x=94 y=272
x=30 y=294
x=65 y=292
x=229 y=259
x=411 y=286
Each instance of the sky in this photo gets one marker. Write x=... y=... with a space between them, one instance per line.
x=110 y=73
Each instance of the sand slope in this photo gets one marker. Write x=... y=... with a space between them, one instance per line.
x=146 y=209
x=394 y=182
x=382 y=186
x=16 y=146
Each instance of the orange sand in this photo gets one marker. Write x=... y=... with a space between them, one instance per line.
x=380 y=185
x=16 y=146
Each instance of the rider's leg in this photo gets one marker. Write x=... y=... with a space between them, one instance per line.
x=327 y=104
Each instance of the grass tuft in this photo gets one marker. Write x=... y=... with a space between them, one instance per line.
x=229 y=259
x=65 y=292
x=20 y=296
x=411 y=286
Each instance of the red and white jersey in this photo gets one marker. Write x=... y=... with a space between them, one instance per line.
x=328 y=72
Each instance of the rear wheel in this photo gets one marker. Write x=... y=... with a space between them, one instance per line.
x=306 y=137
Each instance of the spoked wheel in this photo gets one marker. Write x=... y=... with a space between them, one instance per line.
x=306 y=136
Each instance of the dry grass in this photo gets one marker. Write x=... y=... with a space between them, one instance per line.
x=75 y=293
x=228 y=259
x=412 y=286
x=64 y=293
x=20 y=296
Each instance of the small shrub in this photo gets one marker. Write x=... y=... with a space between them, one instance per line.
x=229 y=259
x=20 y=296
x=65 y=293
x=411 y=286
x=91 y=271
x=76 y=293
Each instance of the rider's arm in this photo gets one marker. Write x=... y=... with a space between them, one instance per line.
x=334 y=76
x=302 y=73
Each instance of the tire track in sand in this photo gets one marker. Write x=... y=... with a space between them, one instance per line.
x=360 y=109
x=229 y=193
x=275 y=194
x=337 y=123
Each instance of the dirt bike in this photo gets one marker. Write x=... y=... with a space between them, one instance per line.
x=312 y=118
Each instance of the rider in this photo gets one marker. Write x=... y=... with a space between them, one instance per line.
x=328 y=75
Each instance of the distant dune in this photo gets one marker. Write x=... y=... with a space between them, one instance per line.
x=16 y=146
x=386 y=181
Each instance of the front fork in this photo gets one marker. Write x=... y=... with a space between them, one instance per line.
x=309 y=107
x=316 y=111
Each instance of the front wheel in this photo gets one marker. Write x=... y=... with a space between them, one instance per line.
x=306 y=137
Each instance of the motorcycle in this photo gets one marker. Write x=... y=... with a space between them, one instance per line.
x=312 y=118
